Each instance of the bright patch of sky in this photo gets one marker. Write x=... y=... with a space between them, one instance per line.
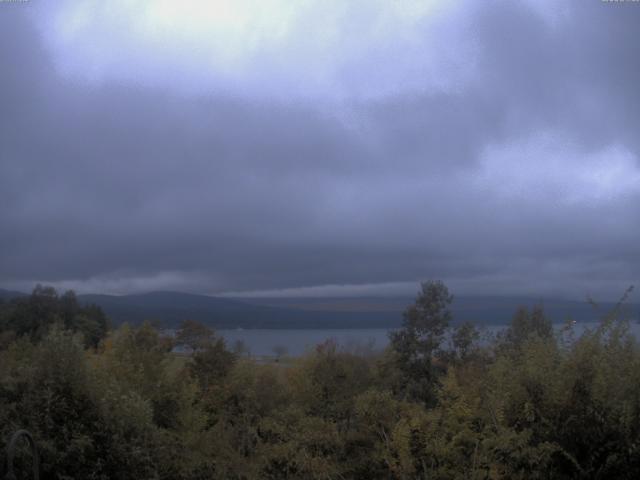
x=545 y=167
x=277 y=48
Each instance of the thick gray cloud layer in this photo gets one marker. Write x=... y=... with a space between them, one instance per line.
x=516 y=170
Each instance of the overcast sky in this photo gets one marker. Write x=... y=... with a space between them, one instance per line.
x=320 y=146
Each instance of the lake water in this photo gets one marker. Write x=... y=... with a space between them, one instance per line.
x=298 y=341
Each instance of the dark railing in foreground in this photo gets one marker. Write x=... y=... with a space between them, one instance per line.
x=11 y=451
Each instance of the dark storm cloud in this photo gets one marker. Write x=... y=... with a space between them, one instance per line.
x=524 y=175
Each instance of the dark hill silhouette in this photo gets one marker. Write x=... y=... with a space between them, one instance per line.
x=169 y=308
x=486 y=310
x=9 y=294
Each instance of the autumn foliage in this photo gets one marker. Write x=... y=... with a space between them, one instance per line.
x=440 y=402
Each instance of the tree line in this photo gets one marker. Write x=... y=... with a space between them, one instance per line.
x=530 y=403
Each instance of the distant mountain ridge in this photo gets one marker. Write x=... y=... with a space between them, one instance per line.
x=169 y=308
x=487 y=310
x=9 y=294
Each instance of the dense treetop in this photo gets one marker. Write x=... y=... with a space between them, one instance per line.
x=532 y=403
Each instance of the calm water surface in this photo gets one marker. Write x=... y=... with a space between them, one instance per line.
x=298 y=341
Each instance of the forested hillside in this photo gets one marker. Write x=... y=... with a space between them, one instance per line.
x=119 y=404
